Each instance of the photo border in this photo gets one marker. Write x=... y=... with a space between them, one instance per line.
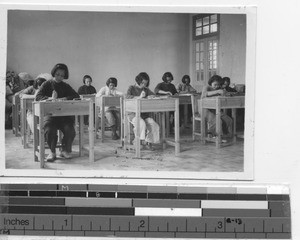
x=251 y=28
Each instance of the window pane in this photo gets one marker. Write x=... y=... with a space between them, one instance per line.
x=210 y=65
x=210 y=45
x=197 y=77
x=213 y=18
x=206 y=21
x=198 y=31
x=215 y=44
x=199 y=22
x=206 y=30
x=201 y=66
x=197 y=47
x=197 y=66
x=202 y=46
x=214 y=54
x=214 y=28
x=201 y=56
x=202 y=76
x=197 y=57
x=215 y=64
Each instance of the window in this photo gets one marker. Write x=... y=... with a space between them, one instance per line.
x=206 y=59
x=205 y=25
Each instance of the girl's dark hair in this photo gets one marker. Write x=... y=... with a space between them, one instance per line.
x=215 y=78
x=167 y=74
x=142 y=76
x=60 y=66
x=85 y=77
x=226 y=79
x=38 y=82
x=185 y=77
x=112 y=80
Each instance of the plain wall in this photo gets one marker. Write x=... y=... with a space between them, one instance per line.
x=100 y=44
x=232 y=47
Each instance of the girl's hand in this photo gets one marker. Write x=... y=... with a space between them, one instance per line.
x=221 y=92
x=143 y=94
x=54 y=94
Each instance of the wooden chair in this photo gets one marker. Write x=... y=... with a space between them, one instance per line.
x=100 y=104
x=196 y=110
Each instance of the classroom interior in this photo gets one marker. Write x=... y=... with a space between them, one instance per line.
x=121 y=45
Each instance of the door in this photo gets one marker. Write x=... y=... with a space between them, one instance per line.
x=205 y=60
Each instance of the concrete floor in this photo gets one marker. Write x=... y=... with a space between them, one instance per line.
x=109 y=155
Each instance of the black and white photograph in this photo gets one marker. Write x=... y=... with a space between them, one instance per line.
x=152 y=92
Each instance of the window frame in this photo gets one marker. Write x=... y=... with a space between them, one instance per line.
x=202 y=16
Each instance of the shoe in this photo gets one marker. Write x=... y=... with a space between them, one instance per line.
x=115 y=137
x=149 y=147
x=65 y=154
x=51 y=157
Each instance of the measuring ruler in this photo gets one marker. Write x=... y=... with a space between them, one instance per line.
x=145 y=211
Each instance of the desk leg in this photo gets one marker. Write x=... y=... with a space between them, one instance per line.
x=203 y=125
x=167 y=124
x=42 y=141
x=218 y=127
x=80 y=135
x=234 y=124
x=176 y=118
x=35 y=138
x=137 y=135
x=23 y=122
x=102 y=122
x=125 y=131
x=163 y=130
x=18 y=120
x=185 y=115
x=96 y=120
x=91 y=134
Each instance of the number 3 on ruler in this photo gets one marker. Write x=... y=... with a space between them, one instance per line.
x=220 y=224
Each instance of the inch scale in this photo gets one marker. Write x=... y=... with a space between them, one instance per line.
x=145 y=211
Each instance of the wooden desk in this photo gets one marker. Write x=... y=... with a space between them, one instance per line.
x=139 y=106
x=101 y=103
x=16 y=114
x=184 y=99
x=26 y=104
x=219 y=103
x=61 y=108
x=87 y=96
x=93 y=98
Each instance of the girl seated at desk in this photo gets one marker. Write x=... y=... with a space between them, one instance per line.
x=149 y=129
x=167 y=88
x=53 y=90
x=183 y=88
x=87 y=87
x=185 y=85
x=214 y=89
x=226 y=85
x=31 y=91
x=112 y=114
